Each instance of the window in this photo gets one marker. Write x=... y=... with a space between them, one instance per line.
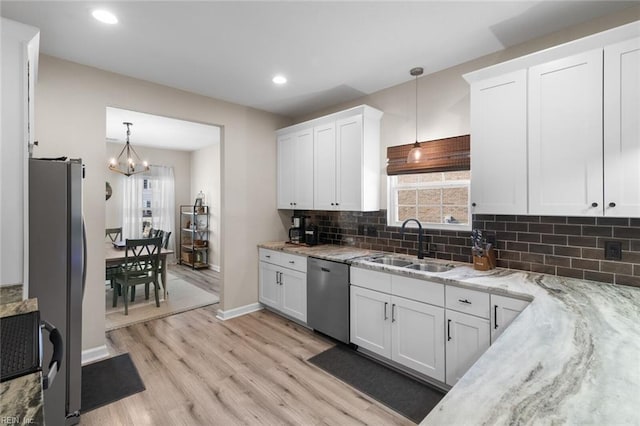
x=438 y=200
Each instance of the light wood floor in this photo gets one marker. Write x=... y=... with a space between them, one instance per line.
x=206 y=279
x=253 y=369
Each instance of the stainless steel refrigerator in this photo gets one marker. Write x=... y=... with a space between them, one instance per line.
x=57 y=263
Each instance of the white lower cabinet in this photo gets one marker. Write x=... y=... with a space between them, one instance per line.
x=370 y=325
x=417 y=336
x=283 y=283
x=467 y=340
x=503 y=311
x=408 y=332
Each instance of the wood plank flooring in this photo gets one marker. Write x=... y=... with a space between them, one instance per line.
x=206 y=279
x=244 y=371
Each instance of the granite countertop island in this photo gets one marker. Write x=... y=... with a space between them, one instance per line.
x=571 y=357
x=21 y=400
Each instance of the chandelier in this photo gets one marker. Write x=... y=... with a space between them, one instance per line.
x=128 y=159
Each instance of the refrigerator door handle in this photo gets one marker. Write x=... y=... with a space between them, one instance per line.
x=58 y=353
x=84 y=256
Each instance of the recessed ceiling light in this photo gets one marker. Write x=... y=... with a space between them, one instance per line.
x=105 y=16
x=279 y=79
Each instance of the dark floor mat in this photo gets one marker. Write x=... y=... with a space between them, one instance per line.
x=397 y=391
x=108 y=381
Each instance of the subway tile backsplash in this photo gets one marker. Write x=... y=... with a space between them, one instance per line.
x=558 y=245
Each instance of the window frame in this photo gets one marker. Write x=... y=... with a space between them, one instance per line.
x=392 y=202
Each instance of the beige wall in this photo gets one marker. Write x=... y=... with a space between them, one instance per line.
x=205 y=177
x=70 y=120
x=443 y=97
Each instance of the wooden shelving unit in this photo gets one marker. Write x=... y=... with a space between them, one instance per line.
x=194 y=236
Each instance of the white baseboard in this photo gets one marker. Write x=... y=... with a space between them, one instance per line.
x=94 y=354
x=215 y=268
x=236 y=312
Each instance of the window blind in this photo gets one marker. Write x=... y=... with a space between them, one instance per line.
x=442 y=155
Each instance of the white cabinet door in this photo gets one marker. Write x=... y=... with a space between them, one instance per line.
x=303 y=161
x=370 y=320
x=418 y=336
x=286 y=171
x=295 y=170
x=269 y=285
x=499 y=144
x=565 y=136
x=503 y=311
x=467 y=339
x=349 y=134
x=294 y=294
x=622 y=129
x=324 y=167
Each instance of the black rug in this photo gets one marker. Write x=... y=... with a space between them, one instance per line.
x=108 y=381
x=397 y=391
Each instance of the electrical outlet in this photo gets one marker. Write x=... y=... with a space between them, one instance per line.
x=613 y=250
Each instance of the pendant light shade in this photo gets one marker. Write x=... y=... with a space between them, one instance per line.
x=128 y=162
x=416 y=155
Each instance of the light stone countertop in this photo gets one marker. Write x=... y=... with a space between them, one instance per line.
x=571 y=357
x=323 y=251
x=21 y=398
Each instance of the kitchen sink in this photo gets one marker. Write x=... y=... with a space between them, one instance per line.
x=390 y=260
x=430 y=267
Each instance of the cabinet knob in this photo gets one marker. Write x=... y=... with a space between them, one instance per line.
x=333 y=204
x=594 y=204
x=473 y=204
x=337 y=204
x=612 y=204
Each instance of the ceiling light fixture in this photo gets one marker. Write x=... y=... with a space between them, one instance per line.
x=416 y=154
x=105 y=17
x=127 y=159
x=279 y=79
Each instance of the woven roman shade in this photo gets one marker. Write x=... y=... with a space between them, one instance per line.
x=443 y=155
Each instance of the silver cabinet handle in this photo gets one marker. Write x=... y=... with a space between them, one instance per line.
x=281 y=278
x=385 y=311
x=393 y=312
x=277 y=277
x=495 y=316
x=268 y=256
x=465 y=301
x=292 y=262
x=448 y=330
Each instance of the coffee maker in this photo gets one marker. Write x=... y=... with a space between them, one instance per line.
x=296 y=232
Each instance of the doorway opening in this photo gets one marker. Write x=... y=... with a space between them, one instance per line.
x=184 y=169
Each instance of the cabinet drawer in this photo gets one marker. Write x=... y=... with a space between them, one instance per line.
x=419 y=290
x=293 y=261
x=270 y=256
x=468 y=301
x=378 y=281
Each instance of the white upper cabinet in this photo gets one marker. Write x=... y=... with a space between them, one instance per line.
x=565 y=136
x=622 y=129
x=345 y=162
x=295 y=166
x=324 y=166
x=578 y=104
x=499 y=144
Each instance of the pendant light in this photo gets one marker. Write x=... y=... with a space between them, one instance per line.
x=127 y=159
x=417 y=154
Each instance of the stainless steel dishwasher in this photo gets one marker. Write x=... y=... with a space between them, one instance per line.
x=328 y=298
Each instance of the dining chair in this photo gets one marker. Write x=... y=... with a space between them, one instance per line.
x=165 y=235
x=141 y=266
x=114 y=234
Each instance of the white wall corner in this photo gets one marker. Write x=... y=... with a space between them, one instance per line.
x=94 y=354
x=237 y=312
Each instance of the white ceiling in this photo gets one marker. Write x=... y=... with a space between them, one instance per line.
x=331 y=52
x=159 y=132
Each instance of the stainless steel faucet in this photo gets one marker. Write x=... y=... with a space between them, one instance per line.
x=420 y=252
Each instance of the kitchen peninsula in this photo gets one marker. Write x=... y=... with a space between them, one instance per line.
x=571 y=357
x=21 y=399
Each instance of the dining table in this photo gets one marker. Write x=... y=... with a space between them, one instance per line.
x=115 y=256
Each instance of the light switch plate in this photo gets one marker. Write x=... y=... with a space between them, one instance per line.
x=612 y=250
